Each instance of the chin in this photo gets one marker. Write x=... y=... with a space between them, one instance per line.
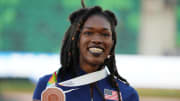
x=96 y=61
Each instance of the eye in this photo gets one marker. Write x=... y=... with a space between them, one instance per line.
x=106 y=34
x=88 y=33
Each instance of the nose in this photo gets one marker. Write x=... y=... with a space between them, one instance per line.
x=97 y=39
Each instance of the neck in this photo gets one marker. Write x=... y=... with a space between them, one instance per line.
x=89 y=68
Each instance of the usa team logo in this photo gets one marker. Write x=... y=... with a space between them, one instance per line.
x=110 y=95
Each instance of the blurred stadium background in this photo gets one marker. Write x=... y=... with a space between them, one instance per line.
x=148 y=47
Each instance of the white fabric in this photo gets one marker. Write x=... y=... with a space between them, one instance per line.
x=85 y=79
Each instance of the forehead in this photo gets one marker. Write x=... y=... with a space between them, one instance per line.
x=97 y=21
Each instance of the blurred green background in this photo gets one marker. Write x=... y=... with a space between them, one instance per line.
x=178 y=23
x=39 y=26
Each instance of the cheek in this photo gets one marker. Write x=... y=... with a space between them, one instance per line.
x=110 y=46
x=82 y=44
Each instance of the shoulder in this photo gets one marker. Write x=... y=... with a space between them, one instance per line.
x=128 y=92
x=44 y=79
x=40 y=86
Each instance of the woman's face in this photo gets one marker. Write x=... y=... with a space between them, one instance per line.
x=95 y=41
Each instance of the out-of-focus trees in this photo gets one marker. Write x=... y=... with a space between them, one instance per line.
x=39 y=26
x=178 y=24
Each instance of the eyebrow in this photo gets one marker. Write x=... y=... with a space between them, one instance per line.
x=93 y=28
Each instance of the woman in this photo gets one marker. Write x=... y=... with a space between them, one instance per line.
x=88 y=47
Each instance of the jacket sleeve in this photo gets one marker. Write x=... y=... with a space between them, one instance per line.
x=133 y=96
x=41 y=85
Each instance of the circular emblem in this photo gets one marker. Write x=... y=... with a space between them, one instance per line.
x=53 y=94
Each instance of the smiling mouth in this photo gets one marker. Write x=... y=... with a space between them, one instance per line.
x=96 y=51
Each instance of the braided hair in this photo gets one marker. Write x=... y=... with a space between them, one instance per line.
x=70 y=52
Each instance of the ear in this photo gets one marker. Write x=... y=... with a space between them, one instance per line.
x=112 y=46
x=112 y=42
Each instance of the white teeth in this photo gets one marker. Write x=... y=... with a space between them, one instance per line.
x=95 y=50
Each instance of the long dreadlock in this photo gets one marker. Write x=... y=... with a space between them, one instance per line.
x=70 y=52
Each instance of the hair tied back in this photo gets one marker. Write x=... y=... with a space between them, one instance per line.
x=82 y=4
